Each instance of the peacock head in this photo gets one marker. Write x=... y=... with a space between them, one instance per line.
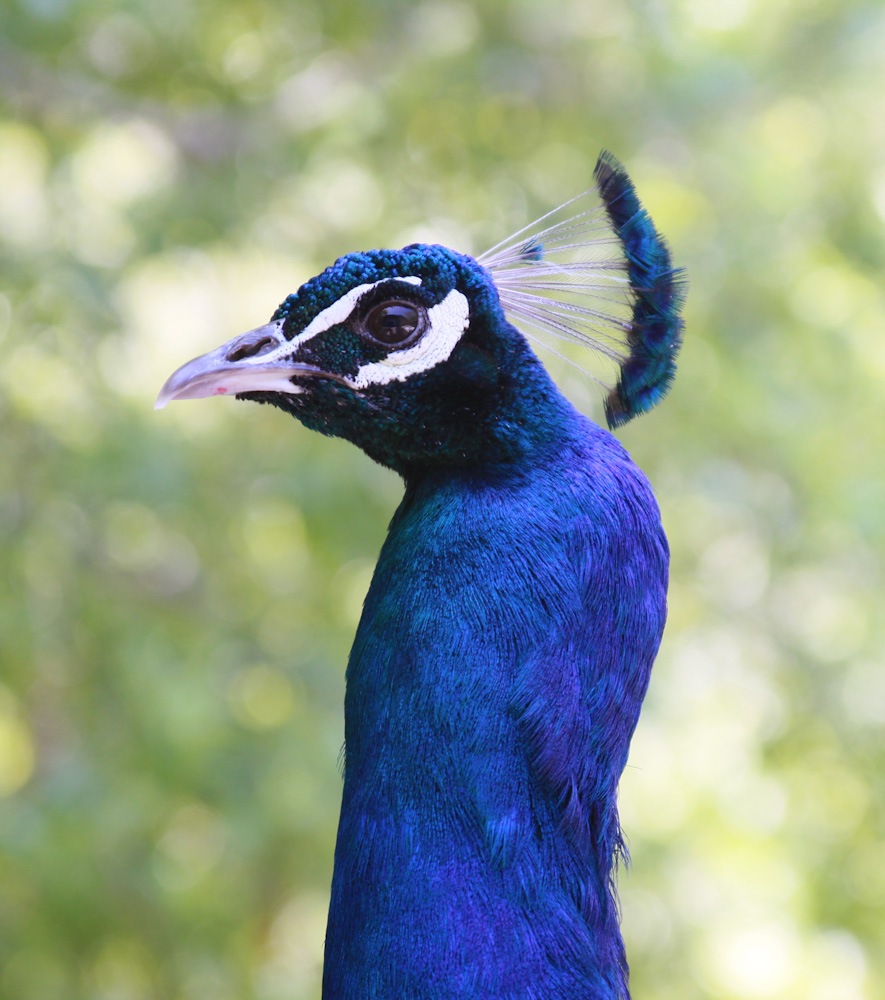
x=404 y=352
x=409 y=354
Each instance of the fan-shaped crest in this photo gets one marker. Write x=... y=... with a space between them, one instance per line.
x=595 y=271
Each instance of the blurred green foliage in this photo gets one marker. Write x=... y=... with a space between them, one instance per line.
x=178 y=590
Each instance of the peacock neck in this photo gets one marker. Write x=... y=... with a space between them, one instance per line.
x=454 y=861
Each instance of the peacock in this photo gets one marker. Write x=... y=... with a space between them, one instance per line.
x=518 y=601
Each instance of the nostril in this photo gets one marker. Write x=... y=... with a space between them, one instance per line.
x=250 y=350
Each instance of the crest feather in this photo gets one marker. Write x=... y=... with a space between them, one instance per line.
x=596 y=272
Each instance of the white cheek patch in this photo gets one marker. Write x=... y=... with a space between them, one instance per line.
x=447 y=321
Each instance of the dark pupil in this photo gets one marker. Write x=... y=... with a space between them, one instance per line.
x=393 y=322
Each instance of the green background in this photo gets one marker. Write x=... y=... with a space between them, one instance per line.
x=178 y=589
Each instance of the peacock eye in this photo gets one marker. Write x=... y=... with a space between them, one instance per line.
x=394 y=322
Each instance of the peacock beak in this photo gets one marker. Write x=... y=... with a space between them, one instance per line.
x=257 y=361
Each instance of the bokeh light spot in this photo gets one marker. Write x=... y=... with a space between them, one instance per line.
x=16 y=746
x=261 y=697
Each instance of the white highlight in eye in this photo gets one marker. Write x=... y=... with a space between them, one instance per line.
x=446 y=322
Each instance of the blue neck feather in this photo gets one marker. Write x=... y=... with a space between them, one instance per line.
x=494 y=684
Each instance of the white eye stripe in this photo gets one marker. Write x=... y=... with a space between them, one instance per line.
x=340 y=310
x=330 y=316
x=447 y=321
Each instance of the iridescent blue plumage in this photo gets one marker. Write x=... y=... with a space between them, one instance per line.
x=495 y=680
x=518 y=603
